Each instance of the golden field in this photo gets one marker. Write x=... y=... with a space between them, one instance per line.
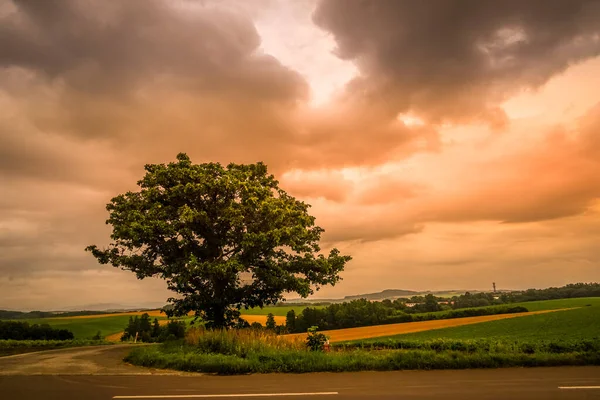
x=366 y=332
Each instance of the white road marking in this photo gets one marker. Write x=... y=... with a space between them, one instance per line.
x=205 y=396
x=580 y=387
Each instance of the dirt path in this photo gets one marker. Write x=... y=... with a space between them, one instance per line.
x=92 y=360
x=366 y=332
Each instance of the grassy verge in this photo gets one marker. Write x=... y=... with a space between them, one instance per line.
x=187 y=358
x=10 y=347
x=248 y=351
x=474 y=346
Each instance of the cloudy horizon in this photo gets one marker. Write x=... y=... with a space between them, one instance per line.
x=444 y=144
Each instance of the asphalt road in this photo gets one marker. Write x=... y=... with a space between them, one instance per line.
x=98 y=374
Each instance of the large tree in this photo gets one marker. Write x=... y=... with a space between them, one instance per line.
x=223 y=238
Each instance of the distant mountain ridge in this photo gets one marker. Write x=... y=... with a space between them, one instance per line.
x=389 y=294
x=384 y=294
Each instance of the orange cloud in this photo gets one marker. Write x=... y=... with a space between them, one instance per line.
x=115 y=85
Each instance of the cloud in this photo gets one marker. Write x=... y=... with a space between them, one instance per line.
x=90 y=91
x=457 y=60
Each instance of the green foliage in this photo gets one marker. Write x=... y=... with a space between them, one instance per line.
x=204 y=228
x=188 y=358
x=290 y=321
x=155 y=328
x=256 y=326
x=140 y=329
x=315 y=340
x=573 y=290
x=477 y=345
x=367 y=313
x=271 y=324
x=22 y=330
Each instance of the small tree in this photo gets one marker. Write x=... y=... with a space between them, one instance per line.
x=290 y=321
x=315 y=341
x=155 y=329
x=256 y=326
x=224 y=238
x=271 y=324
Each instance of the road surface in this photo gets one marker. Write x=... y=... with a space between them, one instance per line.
x=98 y=374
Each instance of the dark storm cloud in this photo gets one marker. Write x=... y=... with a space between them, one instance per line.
x=457 y=60
x=105 y=46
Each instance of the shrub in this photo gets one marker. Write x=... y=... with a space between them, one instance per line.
x=271 y=324
x=256 y=326
x=315 y=340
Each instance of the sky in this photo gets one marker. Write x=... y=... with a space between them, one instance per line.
x=444 y=144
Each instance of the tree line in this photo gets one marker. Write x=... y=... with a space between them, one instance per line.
x=141 y=329
x=16 y=330
x=420 y=308
x=362 y=312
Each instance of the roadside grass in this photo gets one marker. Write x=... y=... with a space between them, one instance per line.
x=577 y=324
x=11 y=347
x=188 y=358
x=249 y=351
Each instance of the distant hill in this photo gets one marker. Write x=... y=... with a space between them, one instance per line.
x=390 y=294
x=96 y=307
x=385 y=294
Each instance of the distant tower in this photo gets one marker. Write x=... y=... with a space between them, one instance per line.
x=494 y=286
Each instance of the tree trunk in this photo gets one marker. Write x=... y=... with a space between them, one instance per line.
x=219 y=321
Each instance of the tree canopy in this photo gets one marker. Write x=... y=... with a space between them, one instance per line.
x=223 y=238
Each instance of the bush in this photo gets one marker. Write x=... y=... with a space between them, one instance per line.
x=315 y=341
x=256 y=326
x=144 y=331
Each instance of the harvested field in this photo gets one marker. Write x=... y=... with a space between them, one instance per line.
x=366 y=332
x=262 y=319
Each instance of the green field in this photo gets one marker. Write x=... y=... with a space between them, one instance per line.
x=559 y=303
x=578 y=324
x=85 y=328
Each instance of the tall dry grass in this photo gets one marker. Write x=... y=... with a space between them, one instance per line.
x=240 y=342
